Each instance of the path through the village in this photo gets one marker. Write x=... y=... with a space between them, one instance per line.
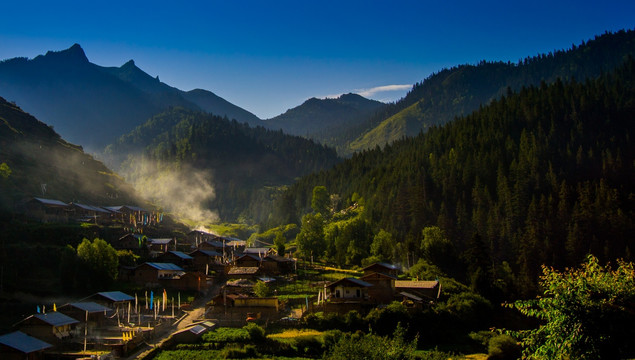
x=196 y=314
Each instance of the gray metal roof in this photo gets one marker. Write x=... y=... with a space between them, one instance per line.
x=207 y=252
x=89 y=306
x=164 y=266
x=90 y=208
x=55 y=318
x=115 y=296
x=23 y=342
x=159 y=241
x=51 y=202
x=181 y=255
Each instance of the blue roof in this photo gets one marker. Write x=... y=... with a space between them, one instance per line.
x=182 y=255
x=91 y=307
x=115 y=296
x=121 y=207
x=207 y=252
x=164 y=266
x=215 y=243
x=23 y=342
x=51 y=202
x=55 y=318
x=89 y=207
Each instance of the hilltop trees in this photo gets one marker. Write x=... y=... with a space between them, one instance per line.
x=537 y=177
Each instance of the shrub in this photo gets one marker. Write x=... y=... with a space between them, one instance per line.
x=503 y=347
x=256 y=333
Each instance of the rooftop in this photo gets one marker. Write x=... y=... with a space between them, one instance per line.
x=207 y=252
x=54 y=318
x=115 y=296
x=242 y=270
x=23 y=342
x=163 y=266
x=181 y=255
x=51 y=202
x=355 y=282
x=89 y=306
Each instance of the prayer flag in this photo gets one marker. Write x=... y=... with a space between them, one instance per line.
x=151 y=299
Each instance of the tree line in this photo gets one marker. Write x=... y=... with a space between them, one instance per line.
x=543 y=176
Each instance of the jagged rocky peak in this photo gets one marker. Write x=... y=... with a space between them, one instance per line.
x=75 y=53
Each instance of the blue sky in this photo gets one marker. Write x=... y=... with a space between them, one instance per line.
x=269 y=56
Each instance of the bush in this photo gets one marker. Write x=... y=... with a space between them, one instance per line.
x=503 y=347
x=256 y=333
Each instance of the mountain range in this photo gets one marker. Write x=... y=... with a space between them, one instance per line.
x=324 y=120
x=93 y=105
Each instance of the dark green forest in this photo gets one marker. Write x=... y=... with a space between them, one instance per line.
x=540 y=176
x=459 y=90
x=246 y=165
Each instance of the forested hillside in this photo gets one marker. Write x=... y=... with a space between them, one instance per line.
x=323 y=120
x=36 y=161
x=462 y=89
x=541 y=176
x=243 y=166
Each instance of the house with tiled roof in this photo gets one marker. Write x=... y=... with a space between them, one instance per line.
x=19 y=346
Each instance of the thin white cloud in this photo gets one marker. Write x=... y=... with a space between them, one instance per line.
x=382 y=89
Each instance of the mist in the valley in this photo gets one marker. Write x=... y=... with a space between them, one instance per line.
x=183 y=191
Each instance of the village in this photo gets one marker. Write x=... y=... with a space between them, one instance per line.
x=185 y=288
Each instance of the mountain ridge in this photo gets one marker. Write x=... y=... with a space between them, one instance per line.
x=462 y=89
x=93 y=105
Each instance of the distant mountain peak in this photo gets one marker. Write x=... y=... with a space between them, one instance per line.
x=75 y=53
x=130 y=63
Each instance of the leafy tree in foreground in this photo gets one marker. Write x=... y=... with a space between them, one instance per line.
x=587 y=312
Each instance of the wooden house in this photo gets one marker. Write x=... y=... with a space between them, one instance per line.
x=134 y=242
x=428 y=290
x=150 y=273
x=47 y=210
x=112 y=299
x=159 y=246
x=89 y=213
x=52 y=327
x=20 y=346
x=348 y=289
x=383 y=289
x=177 y=258
x=261 y=252
x=248 y=260
x=384 y=268
x=202 y=260
x=87 y=312
x=214 y=245
x=274 y=264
